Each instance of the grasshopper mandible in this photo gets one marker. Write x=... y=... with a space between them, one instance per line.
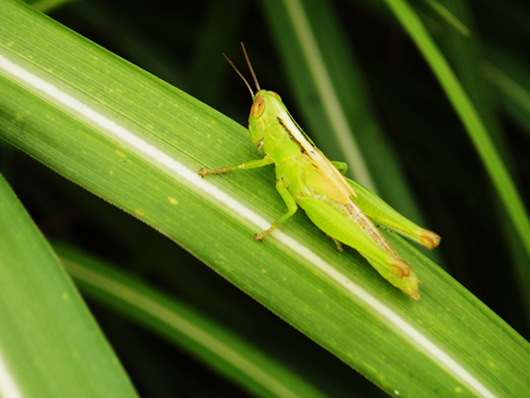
x=340 y=207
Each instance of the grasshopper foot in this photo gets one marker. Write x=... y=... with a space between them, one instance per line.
x=259 y=237
x=337 y=243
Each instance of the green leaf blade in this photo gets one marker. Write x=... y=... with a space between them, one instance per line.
x=49 y=343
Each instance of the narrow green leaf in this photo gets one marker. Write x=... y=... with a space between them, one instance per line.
x=470 y=118
x=222 y=15
x=449 y=17
x=47 y=5
x=513 y=81
x=50 y=346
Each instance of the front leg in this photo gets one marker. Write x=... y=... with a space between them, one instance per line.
x=253 y=164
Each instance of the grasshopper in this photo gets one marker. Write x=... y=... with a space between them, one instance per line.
x=342 y=208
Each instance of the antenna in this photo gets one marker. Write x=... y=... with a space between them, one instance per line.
x=250 y=67
x=240 y=75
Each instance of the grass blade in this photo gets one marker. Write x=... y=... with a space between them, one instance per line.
x=49 y=343
x=483 y=143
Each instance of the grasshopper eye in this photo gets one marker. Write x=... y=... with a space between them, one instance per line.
x=275 y=94
x=258 y=107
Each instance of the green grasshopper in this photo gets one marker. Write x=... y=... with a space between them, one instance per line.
x=337 y=205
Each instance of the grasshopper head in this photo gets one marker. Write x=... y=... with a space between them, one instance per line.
x=265 y=109
x=266 y=105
